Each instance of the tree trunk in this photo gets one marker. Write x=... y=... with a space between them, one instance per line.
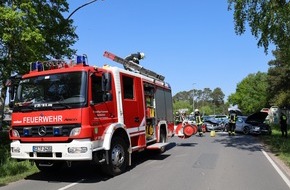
x=2 y=103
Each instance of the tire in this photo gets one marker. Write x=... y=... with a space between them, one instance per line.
x=226 y=129
x=118 y=157
x=246 y=130
x=162 y=136
x=49 y=166
x=162 y=139
x=270 y=131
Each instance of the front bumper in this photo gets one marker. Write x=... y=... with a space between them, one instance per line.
x=214 y=128
x=255 y=130
x=53 y=151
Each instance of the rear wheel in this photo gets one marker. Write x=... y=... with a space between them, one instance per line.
x=162 y=135
x=118 y=157
x=162 y=139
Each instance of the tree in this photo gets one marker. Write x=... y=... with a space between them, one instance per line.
x=268 y=20
x=218 y=96
x=181 y=105
x=279 y=80
x=206 y=100
x=251 y=93
x=30 y=31
x=207 y=94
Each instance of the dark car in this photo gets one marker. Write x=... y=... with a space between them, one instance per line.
x=257 y=120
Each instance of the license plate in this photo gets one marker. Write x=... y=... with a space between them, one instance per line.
x=42 y=148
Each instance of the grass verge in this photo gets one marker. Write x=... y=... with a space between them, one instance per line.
x=10 y=169
x=279 y=145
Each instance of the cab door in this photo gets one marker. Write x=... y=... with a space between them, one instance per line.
x=133 y=102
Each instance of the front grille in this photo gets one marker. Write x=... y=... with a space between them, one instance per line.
x=46 y=130
x=45 y=155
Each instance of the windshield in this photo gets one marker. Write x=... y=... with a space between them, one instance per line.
x=63 y=90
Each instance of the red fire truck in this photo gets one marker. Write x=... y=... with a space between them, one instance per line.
x=65 y=112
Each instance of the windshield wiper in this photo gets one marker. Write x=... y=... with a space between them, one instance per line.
x=59 y=106
x=26 y=109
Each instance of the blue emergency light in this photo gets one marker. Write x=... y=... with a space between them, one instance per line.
x=27 y=131
x=57 y=131
x=36 y=66
x=81 y=59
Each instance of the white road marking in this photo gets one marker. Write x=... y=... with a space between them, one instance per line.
x=72 y=184
x=287 y=181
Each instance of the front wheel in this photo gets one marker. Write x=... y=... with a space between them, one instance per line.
x=118 y=157
x=246 y=130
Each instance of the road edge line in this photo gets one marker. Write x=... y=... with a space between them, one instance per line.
x=72 y=184
x=284 y=177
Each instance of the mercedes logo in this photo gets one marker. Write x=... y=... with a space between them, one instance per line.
x=42 y=131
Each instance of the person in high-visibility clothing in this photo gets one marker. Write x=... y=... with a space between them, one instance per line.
x=198 y=121
x=232 y=122
x=283 y=124
x=134 y=57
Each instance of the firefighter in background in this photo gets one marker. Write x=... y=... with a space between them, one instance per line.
x=178 y=117
x=283 y=124
x=198 y=121
x=232 y=122
x=135 y=58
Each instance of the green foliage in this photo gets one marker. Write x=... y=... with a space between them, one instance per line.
x=30 y=31
x=206 y=110
x=279 y=80
x=280 y=146
x=10 y=169
x=269 y=23
x=206 y=100
x=218 y=96
x=181 y=105
x=268 y=20
x=251 y=93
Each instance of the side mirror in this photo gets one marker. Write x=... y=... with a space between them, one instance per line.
x=11 y=92
x=107 y=97
x=92 y=103
x=11 y=104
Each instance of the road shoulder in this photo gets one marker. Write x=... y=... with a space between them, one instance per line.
x=280 y=163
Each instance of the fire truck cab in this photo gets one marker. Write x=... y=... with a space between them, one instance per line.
x=65 y=112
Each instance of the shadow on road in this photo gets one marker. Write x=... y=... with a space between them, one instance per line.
x=242 y=142
x=87 y=172
x=186 y=144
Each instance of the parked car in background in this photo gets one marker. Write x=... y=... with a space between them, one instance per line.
x=242 y=126
x=259 y=126
x=221 y=117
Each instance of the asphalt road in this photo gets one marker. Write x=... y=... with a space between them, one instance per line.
x=201 y=163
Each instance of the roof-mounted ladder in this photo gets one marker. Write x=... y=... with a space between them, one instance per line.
x=134 y=66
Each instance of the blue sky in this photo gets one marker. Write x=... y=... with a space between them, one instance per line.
x=192 y=43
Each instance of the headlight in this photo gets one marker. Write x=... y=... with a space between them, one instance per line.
x=14 y=133
x=75 y=132
x=77 y=150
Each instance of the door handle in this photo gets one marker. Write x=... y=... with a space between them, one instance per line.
x=137 y=120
